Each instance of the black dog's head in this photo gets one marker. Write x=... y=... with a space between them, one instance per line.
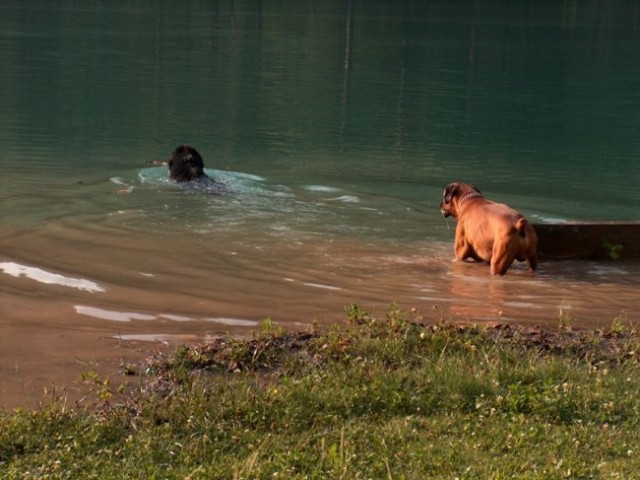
x=185 y=164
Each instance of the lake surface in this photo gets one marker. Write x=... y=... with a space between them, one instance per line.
x=336 y=126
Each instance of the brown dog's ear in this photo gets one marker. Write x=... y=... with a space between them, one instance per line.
x=451 y=191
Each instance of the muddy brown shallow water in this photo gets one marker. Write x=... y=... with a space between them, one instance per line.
x=81 y=298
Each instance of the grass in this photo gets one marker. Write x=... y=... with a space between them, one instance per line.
x=382 y=397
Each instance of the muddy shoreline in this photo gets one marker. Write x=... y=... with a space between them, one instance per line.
x=136 y=365
x=219 y=354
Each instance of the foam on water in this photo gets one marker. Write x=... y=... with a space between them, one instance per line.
x=49 y=278
x=547 y=218
x=321 y=189
x=152 y=337
x=233 y=322
x=175 y=318
x=118 y=181
x=112 y=315
x=345 y=199
x=123 y=316
x=322 y=286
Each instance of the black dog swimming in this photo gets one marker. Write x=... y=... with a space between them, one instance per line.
x=186 y=164
x=187 y=167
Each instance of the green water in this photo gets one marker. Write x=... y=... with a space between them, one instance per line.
x=336 y=125
x=394 y=98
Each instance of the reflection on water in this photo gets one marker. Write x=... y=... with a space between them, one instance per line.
x=334 y=127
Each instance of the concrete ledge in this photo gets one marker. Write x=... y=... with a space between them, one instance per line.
x=597 y=240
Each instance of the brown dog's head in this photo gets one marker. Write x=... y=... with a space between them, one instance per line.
x=454 y=195
x=185 y=164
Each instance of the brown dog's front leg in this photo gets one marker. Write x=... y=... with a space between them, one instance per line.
x=464 y=250
x=461 y=247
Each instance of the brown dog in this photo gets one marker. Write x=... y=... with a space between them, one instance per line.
x=488 y=231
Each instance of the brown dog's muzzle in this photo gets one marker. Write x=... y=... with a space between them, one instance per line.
x=445 y=210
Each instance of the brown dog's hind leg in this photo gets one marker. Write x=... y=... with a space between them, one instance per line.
x=500 y=267
x=501 y=260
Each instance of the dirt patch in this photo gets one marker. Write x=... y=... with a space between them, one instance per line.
x=281 y=352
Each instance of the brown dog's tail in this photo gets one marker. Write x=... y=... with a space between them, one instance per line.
x=521 y=227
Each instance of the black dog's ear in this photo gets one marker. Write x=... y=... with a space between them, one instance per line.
x=449 y=192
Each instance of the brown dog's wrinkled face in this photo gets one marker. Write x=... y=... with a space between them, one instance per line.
x=451 y=196
x=185 y=164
